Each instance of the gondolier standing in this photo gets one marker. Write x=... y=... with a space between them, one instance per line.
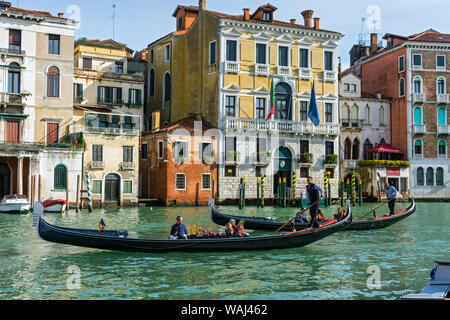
x=313 y=193
x=391 y=194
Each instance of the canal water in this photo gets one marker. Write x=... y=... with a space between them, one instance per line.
x=342 y=266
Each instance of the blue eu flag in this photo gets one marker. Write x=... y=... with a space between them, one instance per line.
x=313 y=112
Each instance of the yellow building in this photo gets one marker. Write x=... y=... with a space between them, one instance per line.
x=221 y=67
x=108 y=109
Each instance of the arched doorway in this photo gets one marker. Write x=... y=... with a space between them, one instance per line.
x=283 y=165
x=5 y=180
x=112 y=187
x=283 y=98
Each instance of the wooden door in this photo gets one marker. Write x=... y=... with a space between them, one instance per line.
x=112 y=187
x=52 y=132
x=12 y=131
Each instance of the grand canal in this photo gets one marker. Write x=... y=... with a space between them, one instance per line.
x=337 y=267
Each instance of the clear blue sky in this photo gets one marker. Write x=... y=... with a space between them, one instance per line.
x=139 y=22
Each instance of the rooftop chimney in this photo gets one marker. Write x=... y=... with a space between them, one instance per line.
x=293 y=21
x=373 y=43
x=61 y=15
x=201 y=5
x=246 y=14
x=317 y=23
x=307 y=16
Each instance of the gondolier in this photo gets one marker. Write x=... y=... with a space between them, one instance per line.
x=313 y=193
x=391 y=194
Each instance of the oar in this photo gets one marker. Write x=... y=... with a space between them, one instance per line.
x=373 y=210
x=301 y=212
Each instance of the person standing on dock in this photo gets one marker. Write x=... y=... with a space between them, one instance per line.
x=391 y=194
x=313 y=193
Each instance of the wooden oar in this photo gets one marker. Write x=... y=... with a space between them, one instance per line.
x=301 y=212
x=373 y=210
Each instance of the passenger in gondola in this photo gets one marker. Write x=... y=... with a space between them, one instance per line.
x=314 y=194
x=302 y=218
x=179 y=230
x=240 y=230
x=320 y=217
x=229 y=229
x=340 y=214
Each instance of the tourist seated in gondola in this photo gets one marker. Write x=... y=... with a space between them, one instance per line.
x=229 y=230
x=302 y=218
x=340 y=214
x=179 y=230
x=240 y=230
x=320 y=217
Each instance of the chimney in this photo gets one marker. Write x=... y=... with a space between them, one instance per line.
x=293 y=21
x=201 y=5
x=246 y=14
x=307 y=17
x=317 y=23
x=61 y=15
x=373 y=43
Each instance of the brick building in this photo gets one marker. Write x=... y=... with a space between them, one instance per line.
x=413 y=72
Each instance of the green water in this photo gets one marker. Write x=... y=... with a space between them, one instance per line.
x=333 y=268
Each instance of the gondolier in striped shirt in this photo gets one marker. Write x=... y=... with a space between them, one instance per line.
x=314 y=194
x=391 y=194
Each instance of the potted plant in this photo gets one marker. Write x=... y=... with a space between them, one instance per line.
x=306 y=157
x=180 y=159
x=331 y=159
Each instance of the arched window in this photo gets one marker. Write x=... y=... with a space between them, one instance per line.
x=355 y=149
x=401 y=87
x=367 y=114
x=430 y=177
x=151 y=82
x=439 y=176
x=167 y=87
x=417 y=85
x=420 y=177
x=354 y=119
x=442 y=149
x=381 y=116
x=347 y=149
x=60 y=177
x=14 y=78
x=440 y=85
x=53 y=82
x=283 y=95
x=418 y=147
x=417 y=115
x=345 y=115
x=366 y=146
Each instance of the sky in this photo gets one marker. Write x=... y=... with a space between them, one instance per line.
x=139 y=22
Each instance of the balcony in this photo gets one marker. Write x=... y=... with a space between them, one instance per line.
x=261 y=158
x=443 y=129
x=284 y=71
x=304 y=74
x=231 y=157
x=11 y=98
x=78 y=99
x=127 y=165
x=97 y=165
x=353 y=123
x=284 y=126
x=232 y=67
x=418 y=97
x=305 y=158
x=442 y=98
x=329 y=76
x=351 y=164
x=12 y=51
x=419 y=128
x=110 y=101
x=261 y=69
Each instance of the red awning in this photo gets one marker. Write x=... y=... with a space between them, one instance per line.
x=384 y=147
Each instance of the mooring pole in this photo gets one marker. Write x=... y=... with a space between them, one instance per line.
x=325 y=189
x=353 y=188
x=279 y=191
x=78 y=193
x=257 y=193
x=284 y=192
x=67 y=191
x=243 y=192
x=262 y=191
x=342 y=192
x=360 y=192
x=88 y=184
x=212 y=192
x=348 y=189
x=294 y=186
x=329 y=192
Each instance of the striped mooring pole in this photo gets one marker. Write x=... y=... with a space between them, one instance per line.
x=325 y=183
x=279 y=192
x=88 y=183
x=213 y=182
x=329 y=191
x=258 y=204
x=348 y=189
x=262 y=191
x=353 y=188
x=284 y=192
x=342 y=191
x=294 y=186
x=243 y=192
x=360 y=192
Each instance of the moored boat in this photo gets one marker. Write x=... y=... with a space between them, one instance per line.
x=116 y=240
x=257 y=223
x=54 y=205
x=15 y=204
x=438 y=287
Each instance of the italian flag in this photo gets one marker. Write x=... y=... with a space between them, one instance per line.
x=272 y=101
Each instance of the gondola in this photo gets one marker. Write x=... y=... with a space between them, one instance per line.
x=267 y=224
x=116 y=240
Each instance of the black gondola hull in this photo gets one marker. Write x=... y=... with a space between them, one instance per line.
x=107 y=241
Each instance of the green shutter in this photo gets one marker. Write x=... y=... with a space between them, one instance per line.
x=60 y=177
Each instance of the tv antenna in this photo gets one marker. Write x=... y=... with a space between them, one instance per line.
x=114 y=20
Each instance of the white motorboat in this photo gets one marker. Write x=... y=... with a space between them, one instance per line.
x=439 y=286
x=55 y=206
x=15 y=203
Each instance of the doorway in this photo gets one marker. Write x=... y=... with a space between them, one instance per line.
x=283 y=162
x=112 y=187
x=5 y=180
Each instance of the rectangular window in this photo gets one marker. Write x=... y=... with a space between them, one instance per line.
x=206 y=181
x=152 y=56
x=231 y=148
x=328 y=112
x=267 y=16
x=97 y=152
x=440 y=62
x=135 y=97
x=417 y=61
x=261 y=145
x=144 y=151
x=160 y=149
x=78 y=91
x=13 y=82
x=346 y=87
x=180 y=181
x=167 y=53
x=230 y=171
x=15 y=41
x=87 y=63
x=329 y=147
x=180 y=149
x=304 y=61
x=303 y=111
x=261 y=53
x=180 y=23
x=212 y=53
x=260 y=108
x=230 y=106
x=207 y=150
x=231 y=50
x=304 y=172
x=128 y=154
x=401 y=64
x=353 y=88
x=53 y=43
x=53 y=85
x=118 y=67
x=127 y=186
x=403 y=184
x=304 y=146
x=328 y=61
x=283 y=58
x=52 y=133
x=330 y=173
x=97 y=186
